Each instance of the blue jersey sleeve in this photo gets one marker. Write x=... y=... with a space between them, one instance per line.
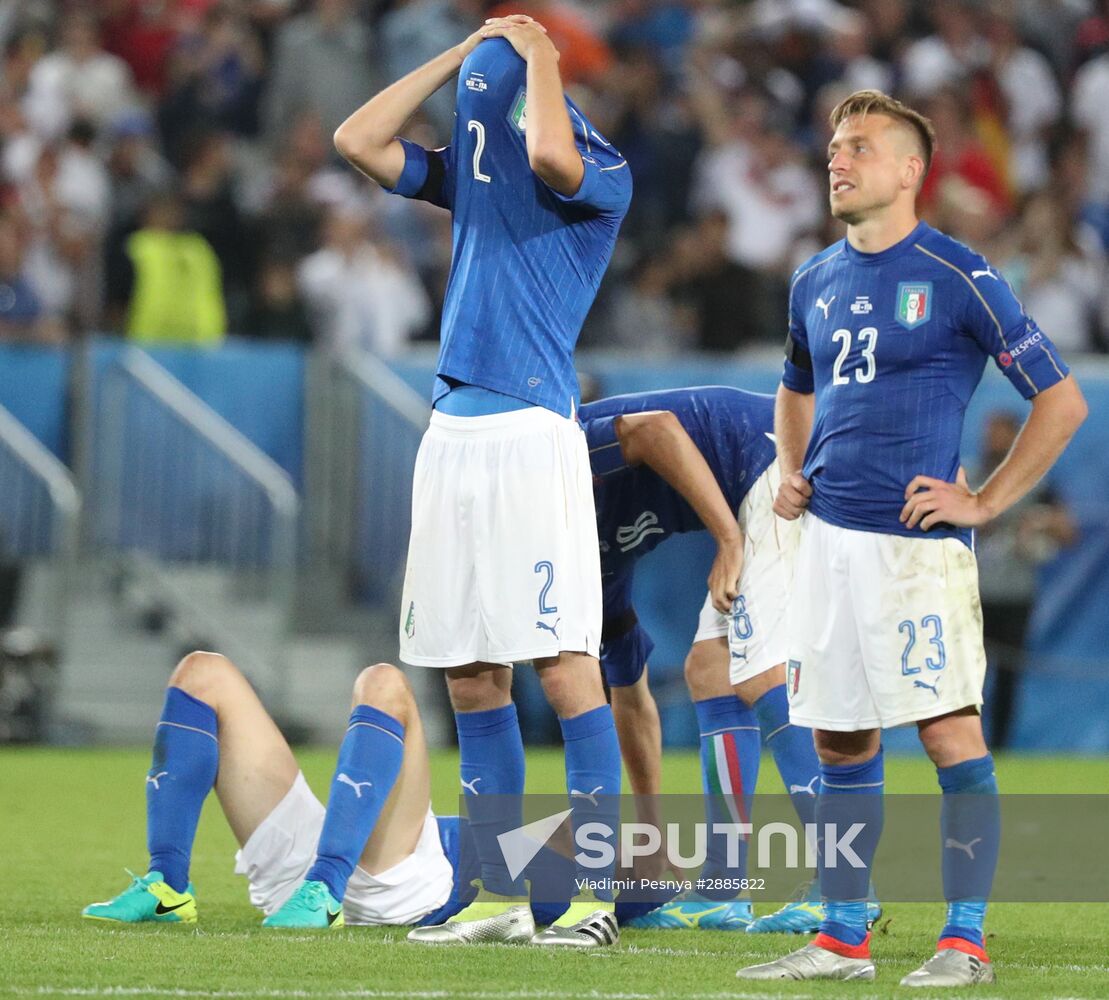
x=798 y=374
x=605 y=453
x=606 y=186
x=427 y=175
x=1002 y=328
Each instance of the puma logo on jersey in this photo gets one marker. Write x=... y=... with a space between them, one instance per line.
x=471 y=786
x=631 y=535
x=356 y=785
x=153 y=779
x=988 y=273
x=592 y=796
x=951 y=842
x=805 y=789
x=825 y=306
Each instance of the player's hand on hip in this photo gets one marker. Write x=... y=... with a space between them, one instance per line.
x=793 y=496
x=521 y=32
x=929 y=502
x=724 y=576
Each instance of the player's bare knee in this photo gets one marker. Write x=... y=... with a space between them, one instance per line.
x=204 y=675
x=953 y=739
x=477 y=692
x=844 y=749
x=384 y=686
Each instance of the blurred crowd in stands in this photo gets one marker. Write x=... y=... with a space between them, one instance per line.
x=166 y=166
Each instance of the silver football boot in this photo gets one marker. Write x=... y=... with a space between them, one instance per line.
x=490 y=918
x=811 y=962
x=587 y=923
x=951 y=967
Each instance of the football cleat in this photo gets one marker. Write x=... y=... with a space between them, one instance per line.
x=490 y=918
x=811 y=962
x=951 y=967
x=587 y=923
x=803 y=916
x=691 y=911
x=148 y=898
x=311 y=907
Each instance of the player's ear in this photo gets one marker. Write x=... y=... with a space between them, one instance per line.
x=912 y=172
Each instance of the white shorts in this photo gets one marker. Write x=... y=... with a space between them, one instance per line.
x=756 y=628
x=279 y=853
x=503 y=563
x=885 y=630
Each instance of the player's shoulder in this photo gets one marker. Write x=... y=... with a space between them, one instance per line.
x=948 y=252
x=828 y=256
x=971 y=274
x=595 y=145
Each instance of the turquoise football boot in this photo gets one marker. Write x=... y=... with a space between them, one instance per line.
x=146 y=899
x=690 y=910
x=311 y=907
x=804 y=914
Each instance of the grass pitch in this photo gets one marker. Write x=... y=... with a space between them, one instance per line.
x=70 y=821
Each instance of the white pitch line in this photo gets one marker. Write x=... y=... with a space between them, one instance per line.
x=131 y=991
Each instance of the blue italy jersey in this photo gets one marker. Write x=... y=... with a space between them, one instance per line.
x=527 y=260
x=894 y=345
x=637 y=510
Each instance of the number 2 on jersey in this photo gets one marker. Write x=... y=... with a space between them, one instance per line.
x=479 y=147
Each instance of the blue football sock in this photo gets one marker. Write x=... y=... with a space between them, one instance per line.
x=593 y=779
x=492 y=767
x=849 y=794
x=185 y=763
x=793 y=750
x=369 y=761
x=970 y=828
x=730 y=752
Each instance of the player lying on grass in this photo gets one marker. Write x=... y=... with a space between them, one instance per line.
x=378 y=848
x=685 y=460
x=381 y=851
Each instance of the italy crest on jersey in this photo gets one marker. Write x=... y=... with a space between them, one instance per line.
x=914 y=303
x=518 y=113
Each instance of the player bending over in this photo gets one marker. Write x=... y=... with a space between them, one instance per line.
x=686 y=460
x=889 y=332
x=502 y=560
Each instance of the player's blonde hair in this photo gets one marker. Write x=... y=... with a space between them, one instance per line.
x=867 y=102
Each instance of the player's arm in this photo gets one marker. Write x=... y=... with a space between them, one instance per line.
x=552 y=150
x=1057 y=412
x=368 y=138
x=658 y=439
x=793 y=417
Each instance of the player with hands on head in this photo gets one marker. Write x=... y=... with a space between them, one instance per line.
x=502 y=561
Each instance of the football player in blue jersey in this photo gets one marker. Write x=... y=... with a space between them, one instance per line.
x=685 y=460
x=889 y=332
x=502 y=562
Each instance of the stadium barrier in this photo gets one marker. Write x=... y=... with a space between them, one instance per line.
x=39 y=512
x=194 y=512
x=365 y=427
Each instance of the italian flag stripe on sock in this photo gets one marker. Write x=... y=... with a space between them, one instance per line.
x=725 y=779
